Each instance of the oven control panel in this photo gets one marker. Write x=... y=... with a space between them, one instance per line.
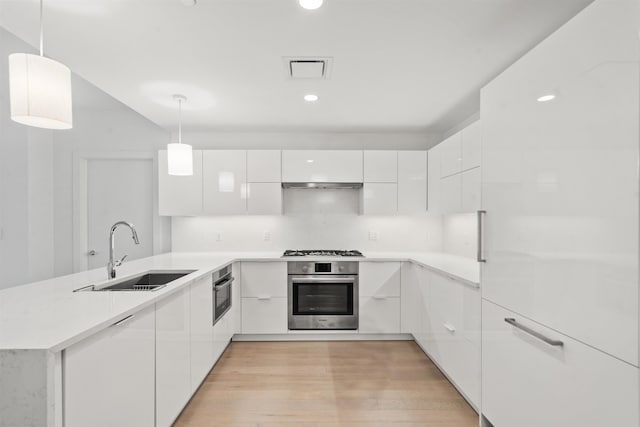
x=321 y=267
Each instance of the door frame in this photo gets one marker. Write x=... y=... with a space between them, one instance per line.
x=80 y=201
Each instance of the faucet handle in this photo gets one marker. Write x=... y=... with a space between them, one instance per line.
x=119 y=262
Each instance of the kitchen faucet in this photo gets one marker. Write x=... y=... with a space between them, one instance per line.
x=111 y=266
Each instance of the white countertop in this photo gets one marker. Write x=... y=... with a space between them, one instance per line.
x=48 y=315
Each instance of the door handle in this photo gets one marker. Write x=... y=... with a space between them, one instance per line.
x=449 y=327
x=480 y=244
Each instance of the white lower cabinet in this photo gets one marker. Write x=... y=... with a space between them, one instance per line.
x=530 y=383
x=202 y=354
x=109 y=377
x=379 y=315
x=173 y=373
x=410 y=301
x=264 y=315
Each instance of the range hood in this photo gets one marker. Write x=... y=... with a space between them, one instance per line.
x=323 y=185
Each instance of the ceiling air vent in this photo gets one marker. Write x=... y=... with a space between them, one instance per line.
x=307 y=68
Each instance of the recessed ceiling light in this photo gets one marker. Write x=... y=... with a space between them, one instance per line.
x=311 y=97
x=546 y=98
x=310 y=161
x=310 y=4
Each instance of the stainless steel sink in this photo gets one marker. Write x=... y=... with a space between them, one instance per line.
x=149 y=281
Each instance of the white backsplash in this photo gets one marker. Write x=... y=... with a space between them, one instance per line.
x=324 y=219
x=459 y=234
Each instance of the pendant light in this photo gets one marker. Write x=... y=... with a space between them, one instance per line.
x=40 y=89
x=179 y=155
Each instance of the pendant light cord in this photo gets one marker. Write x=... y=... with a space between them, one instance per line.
x=41 y=28
x=179 y=121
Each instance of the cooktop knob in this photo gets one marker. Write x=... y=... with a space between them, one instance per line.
x=341 y=268
x=305 y=268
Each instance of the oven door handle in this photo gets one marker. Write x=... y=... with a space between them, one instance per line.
x=224 y=284
x=324 y=280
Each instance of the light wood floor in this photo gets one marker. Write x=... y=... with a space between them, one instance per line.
x=314 y=384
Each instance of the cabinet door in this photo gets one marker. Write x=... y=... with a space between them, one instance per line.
x=201 y=331
x=264 y=315
x=179 y=195
x=380 y=166
x=322 y=166
x=264 y=198
x=451 y=193
x=433 y=180
x=379 y=279
x=451 y=155
x=529 y=383
x=410 y=299
x=224 y=181
x=264 y=279
x=471 y=182
x=173 y=375
x=109 y=377
x=380 y=199
x=412 y=182
x=561 y=191
x=264 y=166
x=379 y=315
x=472 y=146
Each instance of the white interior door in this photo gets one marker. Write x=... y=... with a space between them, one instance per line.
x=119 y=189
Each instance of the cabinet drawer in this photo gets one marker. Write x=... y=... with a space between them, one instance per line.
x=264 y=279
x=527 y=382
x=264 y=315
x=379 y=278
x=379 y=315
x=457 y=305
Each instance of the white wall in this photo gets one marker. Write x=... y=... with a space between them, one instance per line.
x=315 y=140
x=320 y=219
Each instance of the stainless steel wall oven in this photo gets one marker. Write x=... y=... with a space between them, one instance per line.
x=222 y=292
x=323 y=295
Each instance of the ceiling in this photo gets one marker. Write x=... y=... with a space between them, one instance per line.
x=397 y=64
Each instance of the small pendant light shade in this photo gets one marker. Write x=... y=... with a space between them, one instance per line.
x=179 y=155
x=40 y=91
x=180 y=159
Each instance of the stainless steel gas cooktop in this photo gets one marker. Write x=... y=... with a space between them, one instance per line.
x=322 y=252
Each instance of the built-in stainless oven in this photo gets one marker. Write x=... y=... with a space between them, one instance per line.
x=222 y=292
x=323 y=295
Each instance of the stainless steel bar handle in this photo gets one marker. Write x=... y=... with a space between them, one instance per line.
x=513 y=322
x=480 y=255
x=225 y=283
x=322 y=279
x=125 y=320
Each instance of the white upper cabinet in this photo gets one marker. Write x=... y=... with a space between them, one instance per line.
x=451 y=155
x=264 y=166
x=433 y=180
x=412 y=182
x=264 y=198
x=179 y=195
x=472 y=145
x=380 y=166
x=471 y=191
x=322 y=166
x=224 y=181
x=560 y=182
x=379 y=198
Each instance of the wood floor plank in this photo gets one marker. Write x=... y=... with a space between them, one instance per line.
x=326 y=384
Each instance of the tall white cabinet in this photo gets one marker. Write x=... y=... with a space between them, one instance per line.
x=560 y=187
x=380 y=187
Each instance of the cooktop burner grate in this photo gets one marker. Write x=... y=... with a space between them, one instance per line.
x=322 y=252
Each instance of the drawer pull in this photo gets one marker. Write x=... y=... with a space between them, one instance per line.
x=449 y=327
x=125 y=320
x=379 y=297
x=264 y=298
x=513 y=322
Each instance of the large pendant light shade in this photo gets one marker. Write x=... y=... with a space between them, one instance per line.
x=40 y=91
x=179 y=155
x=180 y=159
